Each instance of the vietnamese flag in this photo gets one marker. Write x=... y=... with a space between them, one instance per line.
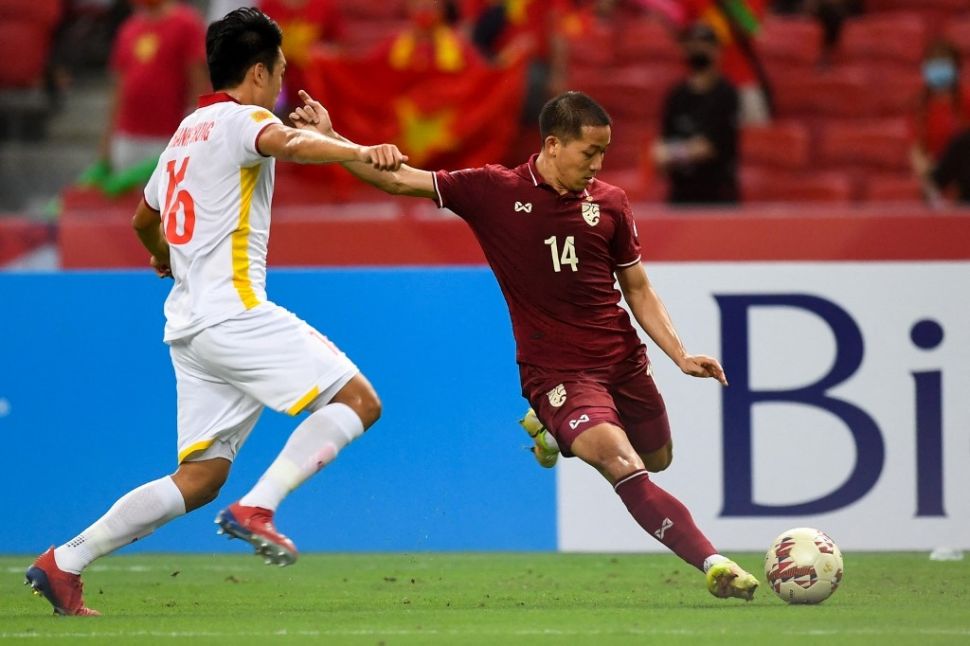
x=439 y=119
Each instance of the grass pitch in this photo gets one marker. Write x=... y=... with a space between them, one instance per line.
x=482 y=599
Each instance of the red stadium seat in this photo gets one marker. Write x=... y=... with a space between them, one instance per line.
x=771 y=185
x=891 y=187
x=790 y=42
x=782 y=144
x=634 y=91
x=875 y=144
x=647 y=41
x=852 y=91
x=23 y=50
x=958 y=31
x=43 y=12
x=897 y=36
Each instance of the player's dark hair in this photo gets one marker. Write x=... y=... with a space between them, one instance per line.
x=565 y=116
x=238 y=41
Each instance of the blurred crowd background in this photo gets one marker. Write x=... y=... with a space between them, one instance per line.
x=715 y=102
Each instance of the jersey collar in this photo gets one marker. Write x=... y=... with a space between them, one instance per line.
x=216 y=97
x=529 y=171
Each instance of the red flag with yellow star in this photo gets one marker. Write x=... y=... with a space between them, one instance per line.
x=439 y=119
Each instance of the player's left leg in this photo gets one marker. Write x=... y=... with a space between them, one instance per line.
x=298 y=370
x=607 y=448
x=544 y=446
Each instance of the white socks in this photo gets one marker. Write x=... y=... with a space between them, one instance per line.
x=136 y=515
x=313 y=445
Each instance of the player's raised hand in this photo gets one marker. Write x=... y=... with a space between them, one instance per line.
x=700 y=365
x=312 y=115
x=383 y=156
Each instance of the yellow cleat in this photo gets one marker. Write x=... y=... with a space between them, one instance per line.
x=727 y=579
x=545 y=449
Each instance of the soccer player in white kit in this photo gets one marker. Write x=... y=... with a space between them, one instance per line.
x=205 y=219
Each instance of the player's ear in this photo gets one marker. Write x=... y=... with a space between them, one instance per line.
x=551 y=145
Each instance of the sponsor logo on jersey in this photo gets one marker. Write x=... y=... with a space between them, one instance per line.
x=591 y=213
x=557 y=396
x=523 y=207
x=582 y=419
x=664 y=526
x=261 y=115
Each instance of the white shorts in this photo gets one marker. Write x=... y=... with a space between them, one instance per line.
x=228 y=372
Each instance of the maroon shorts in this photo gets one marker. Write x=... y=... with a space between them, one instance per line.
x=624 y=394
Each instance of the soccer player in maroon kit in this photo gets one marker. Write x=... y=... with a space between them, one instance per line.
x=557 y=239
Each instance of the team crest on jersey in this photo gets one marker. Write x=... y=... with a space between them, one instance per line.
x=591 y=213
x=557 y=396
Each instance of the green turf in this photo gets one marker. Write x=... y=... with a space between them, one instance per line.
x=482 y=599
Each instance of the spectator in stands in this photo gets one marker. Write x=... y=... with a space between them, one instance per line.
x=429 y=42
x=952 y=171
x=736 y=24
x=698 y=148
x=159 y=69
x=508 y=31
x=944 y=107
x=306 y=24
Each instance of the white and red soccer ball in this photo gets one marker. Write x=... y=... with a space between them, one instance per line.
x=803 y=565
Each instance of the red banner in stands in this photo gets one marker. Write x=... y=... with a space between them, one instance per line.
x=439 y=119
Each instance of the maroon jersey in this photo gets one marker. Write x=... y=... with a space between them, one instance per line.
x=554 y=257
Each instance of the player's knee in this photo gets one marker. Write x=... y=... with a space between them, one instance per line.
x=361 y=397
x=200 y=482
x=658 y=460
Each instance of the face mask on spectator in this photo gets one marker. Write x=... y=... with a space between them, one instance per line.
x=939 y=73
x=699 y=61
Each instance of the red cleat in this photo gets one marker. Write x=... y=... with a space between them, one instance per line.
x=255 y=526
x=62 y=589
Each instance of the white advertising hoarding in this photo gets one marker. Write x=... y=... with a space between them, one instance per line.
x=848 y=409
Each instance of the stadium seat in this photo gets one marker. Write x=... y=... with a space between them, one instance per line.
x=790 y=42
x=634 y=91
x=782 y=144
x=880 y=144
x=958 y=31
x=891 y=187
x=897 y=36
x=646 y=41
x=773 y=185
x=849 y=91
x=23 y=50
x=842 y=92
x=43 y=12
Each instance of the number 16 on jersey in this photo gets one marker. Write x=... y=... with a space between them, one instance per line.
x=568 y=255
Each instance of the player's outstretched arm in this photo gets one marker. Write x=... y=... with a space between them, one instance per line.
x=651 y=314
x=310 y=147
x=148 y=225
x=405 y=180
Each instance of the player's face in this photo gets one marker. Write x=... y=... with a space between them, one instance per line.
x=578 y=160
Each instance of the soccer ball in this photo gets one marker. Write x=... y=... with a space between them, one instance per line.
x=803 y=565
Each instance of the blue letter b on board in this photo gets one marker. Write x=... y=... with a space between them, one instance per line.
x=740 y=400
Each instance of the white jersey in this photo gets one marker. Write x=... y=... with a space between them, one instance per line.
x=214 y=191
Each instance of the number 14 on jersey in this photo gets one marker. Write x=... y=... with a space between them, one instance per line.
x=566 y=257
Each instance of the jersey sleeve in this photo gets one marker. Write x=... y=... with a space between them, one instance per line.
x=463 y=191
x=151 y=189
x=245 y=126
x=626 y=241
